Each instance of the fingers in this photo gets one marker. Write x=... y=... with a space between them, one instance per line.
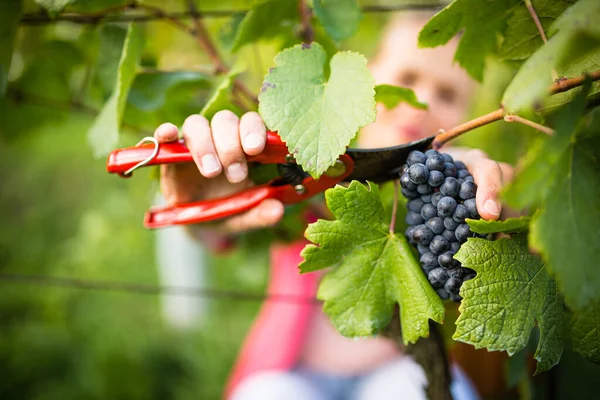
x=166 y=132
x=226 y=137
x=198 y=138
x=253 y=133
x=267 y=213
x=488 y=176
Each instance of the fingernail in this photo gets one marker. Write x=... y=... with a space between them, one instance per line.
x=253 y=141
x=210 y=163
x=492 y=207
x=236 y=173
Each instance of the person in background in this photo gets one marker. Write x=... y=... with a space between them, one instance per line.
x=293 y=351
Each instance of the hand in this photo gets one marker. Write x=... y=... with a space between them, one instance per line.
x=219 y=149
x=489 y=175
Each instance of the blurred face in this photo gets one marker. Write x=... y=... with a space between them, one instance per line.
x=433 y=76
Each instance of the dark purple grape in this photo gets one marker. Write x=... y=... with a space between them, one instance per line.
x=435 y=162
x=444 y=295
x=437 y=277
x=450 y=223
x=422 y=249
x=462 y=232
x=454 y=246
x=416 y=157
x=422 y=235
x=456 y=272
x=468 y=276
x=428 y=211
x=436 y=224
x=436 y=197
x=453 y=285
x=449 y=235
x=460 y=165
x=463 y=173
x=455 y=298
x=426 y=198
x=439 y=245
x=460 y=213
x=470 y=178
x=410 y=194
x=447 y=261
x=436 y=178
x=406 y=183
x=432 y=152
x=418 y=173
x=415 y=205
x=446 y=206
x=467 y=190
x=409 y=233
x=472 y=207
x=424 y=188
x=449 y=170
x=429 y=261
x=447 y=157
x=413 y=218
x=450 y=187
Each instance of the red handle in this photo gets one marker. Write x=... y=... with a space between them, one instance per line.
x=210 y=210
x=122 y=160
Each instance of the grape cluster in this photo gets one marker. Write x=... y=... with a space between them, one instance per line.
x=441 y=194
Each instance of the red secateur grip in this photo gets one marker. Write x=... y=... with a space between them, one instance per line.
x=122 y=160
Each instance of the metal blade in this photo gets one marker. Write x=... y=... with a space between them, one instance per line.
x=383 y=164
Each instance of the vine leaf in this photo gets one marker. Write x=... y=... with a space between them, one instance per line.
x=265 y=20
x=317 y=117
x=530 y=84
x=54 y=6
x=481 y=23
x=391 y=96
x=521 y=37
x=10 y=14
x=374 y=269
x=585 y=332
x=510 y=225
x=103 y=135
x=340 y=18
x=510 y=294
x=221 y=96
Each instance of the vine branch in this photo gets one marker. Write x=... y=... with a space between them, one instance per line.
x=308 y=33
x=540 y=29
x=542 y=128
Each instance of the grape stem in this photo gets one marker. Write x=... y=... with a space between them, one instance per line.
x=525 y=121
x=561 y=85
x=308 y=33
x=540 y=29
x=394 y=208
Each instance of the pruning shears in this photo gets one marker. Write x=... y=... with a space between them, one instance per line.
x=293 y=186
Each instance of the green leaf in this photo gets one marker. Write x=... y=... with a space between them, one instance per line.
x=482 y=21
x=521 y=37
x=529 y=87
x=265 y=20
x=316 y=117
x=10 y=14
x=510 y=225
x=54 y=6
x=340 y=18
x=374 y=269
x=585 y=332
x=103 y=135
x=221 y=96
x=510 y=294
x=391 y=96
x=229 y=30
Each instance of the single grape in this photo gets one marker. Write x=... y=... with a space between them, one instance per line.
x=462 y=232
x=409 y=233
x=446 y=206
x=436 y=197
x=413 y=218
x=444 y=295
x=428 y=211
x=431 y=152
x=449 y=170
x=467 y=190
x=462 y=173
x=453 y=285
x=437 y=277
x=422 y=235
x=450 y=187
x=436 y=224
x=455 y=298
x=454 y=246
x=470 y=178
x=447 y=157
x=450 y=223
x=424 y=188
x=438 y=244
x=449 y=235
x=436 y=178
x=415 y=205
x=423 y=249
x=435 y=162
x=418 y=173
x=429 y=261
x=460 y=165
x=472 y=207
x=410 y=194
x=460 y=213
x=406 y=183
x=456 y=272
x=468 y=277
x=446 y=260
x=416 y=157
x=426 y=198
